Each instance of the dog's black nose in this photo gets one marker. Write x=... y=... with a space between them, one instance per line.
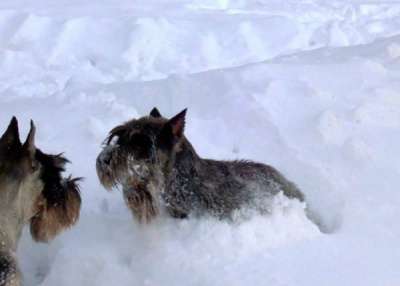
x=107 y=160
x=104 y=158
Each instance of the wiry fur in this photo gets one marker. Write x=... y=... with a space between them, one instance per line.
x=32 y=190
x=9 y=273
x=157 y=166
x=58 y=205
x=141 y=202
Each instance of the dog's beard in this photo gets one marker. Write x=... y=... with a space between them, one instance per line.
x=111 y=166
x=116 y=166
x=137 y=171
x=140 y=201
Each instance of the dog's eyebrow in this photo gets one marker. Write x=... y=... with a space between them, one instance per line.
x=134 y=132
x=117 y=131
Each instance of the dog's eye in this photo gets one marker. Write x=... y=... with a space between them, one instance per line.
x=141 y=145
x=140 y=140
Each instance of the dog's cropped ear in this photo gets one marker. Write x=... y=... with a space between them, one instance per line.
x=11 y=135
x=29 y=144
x=155 y=113
x=177 y=123
x=53 y=216
x=172 y=130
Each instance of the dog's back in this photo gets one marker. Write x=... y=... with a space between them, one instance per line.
x=220 y=187
x=266 y=177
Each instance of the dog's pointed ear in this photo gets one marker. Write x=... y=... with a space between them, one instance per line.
x=177 y=123
x=155 y=113
x=172 y=130
x=29 y=144
x=11 y=135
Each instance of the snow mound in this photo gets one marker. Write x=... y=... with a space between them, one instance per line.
x=168 y=250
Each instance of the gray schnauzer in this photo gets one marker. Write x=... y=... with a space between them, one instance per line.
x=32 y=191
x=159 y=169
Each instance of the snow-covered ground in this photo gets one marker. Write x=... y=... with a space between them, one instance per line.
x=311 y=87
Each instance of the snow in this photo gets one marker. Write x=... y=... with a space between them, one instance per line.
x=311 y=87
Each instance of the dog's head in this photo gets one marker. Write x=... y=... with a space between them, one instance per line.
x=136 y=149
x=32 y=186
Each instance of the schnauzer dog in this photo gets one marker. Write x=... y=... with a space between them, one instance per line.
x=32 y=191
x=159 y=169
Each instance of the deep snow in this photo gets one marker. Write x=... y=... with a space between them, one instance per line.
x=311 y=87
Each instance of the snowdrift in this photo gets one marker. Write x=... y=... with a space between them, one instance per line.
x=309 y=87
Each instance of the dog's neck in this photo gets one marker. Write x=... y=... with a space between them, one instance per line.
x=11 y=224
x=183 y=168
x=10 y=232
x=6 y=243
x=185 y=159
x=16 y=205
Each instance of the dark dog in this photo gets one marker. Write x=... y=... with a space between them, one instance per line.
x=159 y=169
x=32 y=191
